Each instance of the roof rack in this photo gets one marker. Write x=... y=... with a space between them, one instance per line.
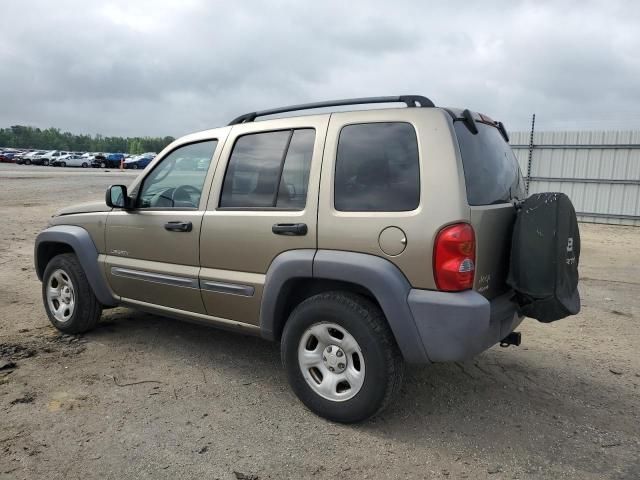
x=410 y=100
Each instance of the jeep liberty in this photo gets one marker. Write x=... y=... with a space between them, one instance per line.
x=359 y=240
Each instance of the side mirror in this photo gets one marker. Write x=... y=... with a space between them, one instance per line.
x=116 y=197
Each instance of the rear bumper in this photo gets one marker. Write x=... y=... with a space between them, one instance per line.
x=458 y=326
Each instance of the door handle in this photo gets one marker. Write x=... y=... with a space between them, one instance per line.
x=290 y=229
x=178 y=226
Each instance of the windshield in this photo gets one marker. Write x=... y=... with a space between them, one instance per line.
x=491 y=171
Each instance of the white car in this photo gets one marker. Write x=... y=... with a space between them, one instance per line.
x=27 y=158
x=49 y=157
x=72 y=160
x=45 y=158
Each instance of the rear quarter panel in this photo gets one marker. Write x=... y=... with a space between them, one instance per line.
x=442 y=194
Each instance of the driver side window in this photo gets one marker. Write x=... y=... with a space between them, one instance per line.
x=176 y=182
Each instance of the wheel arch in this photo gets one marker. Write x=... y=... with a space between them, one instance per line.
x=299 y=274
x=73 y=239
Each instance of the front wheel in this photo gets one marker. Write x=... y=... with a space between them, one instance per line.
x=341 y=358
x=103 y=165
x=45 y=163
x=68 y=299
x=84 y=165
x=63 y=164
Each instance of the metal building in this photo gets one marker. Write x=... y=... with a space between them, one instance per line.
x=598 y=170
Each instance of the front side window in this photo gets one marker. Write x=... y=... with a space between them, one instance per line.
x=377 y=168
x=177 y=181
x=269 y=170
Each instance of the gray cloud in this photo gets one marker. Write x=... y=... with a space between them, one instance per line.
x=170 y=67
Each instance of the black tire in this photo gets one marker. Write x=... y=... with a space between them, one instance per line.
x=63 y=164
x=84 y=165
x=134 y=166
x=45 y=163
x=87 y=309
x=103 y=165
x=365 y=322
x=27 y=162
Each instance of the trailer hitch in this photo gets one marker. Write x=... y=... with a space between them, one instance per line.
x=514 y=338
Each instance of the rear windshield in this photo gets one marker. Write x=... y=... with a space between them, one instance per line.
x=491 y=171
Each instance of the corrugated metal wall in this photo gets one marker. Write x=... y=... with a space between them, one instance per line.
x=599 y=170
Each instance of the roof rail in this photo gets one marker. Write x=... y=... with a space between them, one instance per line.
x=410 y=100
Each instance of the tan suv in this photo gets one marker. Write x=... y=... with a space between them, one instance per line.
x=359 y=240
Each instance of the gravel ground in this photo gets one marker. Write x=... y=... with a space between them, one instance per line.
x=149 y=397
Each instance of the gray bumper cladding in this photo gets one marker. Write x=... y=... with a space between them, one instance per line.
x=429 y=326
x=458 y=326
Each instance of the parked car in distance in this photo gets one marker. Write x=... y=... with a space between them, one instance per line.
x=28 y=158
x=71 y=160
x=140 y=161
x=48 y=158
x=8 y=156
x=111 y=160
x=99 y=160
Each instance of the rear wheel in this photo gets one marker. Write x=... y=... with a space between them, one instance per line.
x=63 y=164
x=340 y=356
x=134 y=166
x=45 y=162
x=103 y=165
x=84 y=165
x=68 y=299
x=27 y=162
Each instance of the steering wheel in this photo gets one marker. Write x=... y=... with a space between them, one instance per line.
x=184 y=191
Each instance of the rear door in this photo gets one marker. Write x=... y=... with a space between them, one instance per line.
x=493 y=183
x=264 y=201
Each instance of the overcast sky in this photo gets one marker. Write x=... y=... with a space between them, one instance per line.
x=163 y=67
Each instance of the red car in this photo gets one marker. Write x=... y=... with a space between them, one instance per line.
x=8 y=157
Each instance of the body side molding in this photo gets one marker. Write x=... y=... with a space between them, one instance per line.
x=80 y=241
x=153 y=277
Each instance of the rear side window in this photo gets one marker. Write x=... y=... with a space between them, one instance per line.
x=377 y=168
x=269 y=170
x=491 y=170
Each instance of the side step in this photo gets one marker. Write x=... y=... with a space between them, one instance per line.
x=514 y=338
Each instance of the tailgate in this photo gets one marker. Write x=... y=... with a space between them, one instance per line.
x=493 y=226
x=493 y=182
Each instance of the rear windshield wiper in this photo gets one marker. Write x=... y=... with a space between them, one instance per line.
x=503 y=132
x=470 y=123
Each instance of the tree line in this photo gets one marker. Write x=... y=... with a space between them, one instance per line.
x=19 y=136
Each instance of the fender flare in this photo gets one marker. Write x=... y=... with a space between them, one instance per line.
x=284 y=269
x=379 y=276
x=82 y=245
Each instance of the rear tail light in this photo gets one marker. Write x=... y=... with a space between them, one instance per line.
x=454 y=258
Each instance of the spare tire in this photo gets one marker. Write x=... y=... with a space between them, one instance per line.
x=545 y=253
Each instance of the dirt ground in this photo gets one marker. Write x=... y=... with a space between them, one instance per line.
x=149 y=397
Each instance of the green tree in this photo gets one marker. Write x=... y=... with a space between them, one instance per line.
x=20 y=136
